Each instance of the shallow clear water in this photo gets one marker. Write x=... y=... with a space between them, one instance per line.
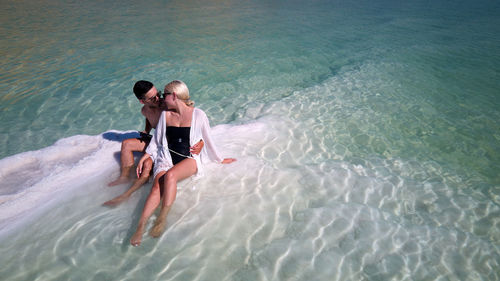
x=367 y=139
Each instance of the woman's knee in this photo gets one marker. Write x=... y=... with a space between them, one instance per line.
x=171 y=176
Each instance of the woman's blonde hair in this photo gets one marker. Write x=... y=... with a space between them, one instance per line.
x=181 y=90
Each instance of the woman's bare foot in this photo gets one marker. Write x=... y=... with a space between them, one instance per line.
x=160 y=223
x=115 y=201
x=158 y=227
x=137 y=237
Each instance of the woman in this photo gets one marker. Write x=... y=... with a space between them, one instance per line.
x=178 y=129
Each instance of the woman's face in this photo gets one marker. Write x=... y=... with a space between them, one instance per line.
x=169 y=99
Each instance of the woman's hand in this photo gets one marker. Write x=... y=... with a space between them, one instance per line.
x=196 y=149
x=228 y=160
x=141 y=164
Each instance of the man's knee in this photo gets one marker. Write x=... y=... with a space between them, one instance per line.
x=148 y=164
x=147 y=167
x=129 y=144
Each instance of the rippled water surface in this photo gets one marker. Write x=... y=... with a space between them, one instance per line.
x=366 y=134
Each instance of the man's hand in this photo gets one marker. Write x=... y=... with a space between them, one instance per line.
x=196 y=149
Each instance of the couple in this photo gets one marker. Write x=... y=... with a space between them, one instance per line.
x=153 y=105
x=170 y=150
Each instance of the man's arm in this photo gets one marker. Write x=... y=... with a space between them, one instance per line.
x=148 y=127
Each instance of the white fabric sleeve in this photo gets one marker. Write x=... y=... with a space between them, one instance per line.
x=210 y=148
x=152 y=148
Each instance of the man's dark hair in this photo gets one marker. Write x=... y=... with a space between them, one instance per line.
x=141 y=87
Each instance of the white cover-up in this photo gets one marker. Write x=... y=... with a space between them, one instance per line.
x=200 y=130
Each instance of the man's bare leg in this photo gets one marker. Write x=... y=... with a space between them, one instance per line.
x=127 y=159
x=151 y=204
x=180 y=171
x=148 y=165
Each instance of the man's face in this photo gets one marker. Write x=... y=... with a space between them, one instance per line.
x=152 y=98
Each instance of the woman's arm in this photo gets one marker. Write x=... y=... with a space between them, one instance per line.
x=141 y=164
x=209 y=146
x=211 y=149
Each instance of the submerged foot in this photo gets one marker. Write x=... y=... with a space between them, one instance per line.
x=158 y=227
x=137 y=237
x=120 y=180
x=115 y=201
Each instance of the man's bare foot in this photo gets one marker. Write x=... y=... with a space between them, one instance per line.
x=115 y=201
x=137 y=237
x=159 y=227
x=120 y=180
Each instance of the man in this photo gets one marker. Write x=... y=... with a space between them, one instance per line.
x=153 y=105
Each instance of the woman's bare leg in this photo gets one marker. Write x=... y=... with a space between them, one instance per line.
x=151 y=204
x=180 y=171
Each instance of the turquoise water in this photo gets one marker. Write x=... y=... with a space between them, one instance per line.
x=366 y=133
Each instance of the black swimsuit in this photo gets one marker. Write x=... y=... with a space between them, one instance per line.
x=178 y=141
